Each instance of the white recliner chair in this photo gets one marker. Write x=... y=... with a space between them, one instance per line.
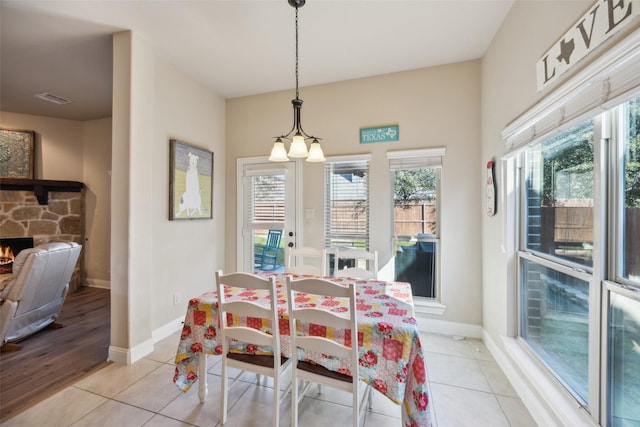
x=33 y=299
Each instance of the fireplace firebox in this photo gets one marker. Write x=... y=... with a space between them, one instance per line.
x=10 y=248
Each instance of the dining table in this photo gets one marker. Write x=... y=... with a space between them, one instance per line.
x=391 y=356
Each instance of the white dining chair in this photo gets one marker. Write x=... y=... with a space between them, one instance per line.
x=365 y=263
x=270 y=365
x=295 y=261
x=308 y=373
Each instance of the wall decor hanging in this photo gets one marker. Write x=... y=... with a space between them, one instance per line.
x=190 y=182
x=16 y=153
x=492 y=201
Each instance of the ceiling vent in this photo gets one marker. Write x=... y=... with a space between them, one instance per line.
x=52 y=98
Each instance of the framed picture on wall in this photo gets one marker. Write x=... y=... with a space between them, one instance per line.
x=190 y=181
x=16 y=153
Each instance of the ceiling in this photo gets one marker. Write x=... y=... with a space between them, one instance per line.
x=234 y=47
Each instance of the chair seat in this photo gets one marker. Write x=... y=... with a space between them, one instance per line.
x=256 y=359
x=314 y=368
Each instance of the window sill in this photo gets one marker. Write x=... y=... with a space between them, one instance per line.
x=428 y=306
x=555 y=405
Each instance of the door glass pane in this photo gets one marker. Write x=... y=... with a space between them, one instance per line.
x=559 y=195
x=624 y=361
x=631 y=214
x=267 y=213
x=415 y=223
x=267 y=204
x=554 y=322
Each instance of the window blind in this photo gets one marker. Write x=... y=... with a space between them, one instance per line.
x=412 y=159
x=267 y=201
x=347 y=202
x=605 y=82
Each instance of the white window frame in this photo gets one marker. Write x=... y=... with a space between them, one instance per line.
x=327 y=214
x=607 y=82
x=408 y=159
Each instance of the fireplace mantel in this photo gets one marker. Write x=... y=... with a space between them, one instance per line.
x=40 y=187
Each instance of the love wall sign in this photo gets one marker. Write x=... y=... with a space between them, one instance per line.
x=602 y=20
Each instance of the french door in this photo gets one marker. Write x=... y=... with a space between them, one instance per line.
x=268 y=208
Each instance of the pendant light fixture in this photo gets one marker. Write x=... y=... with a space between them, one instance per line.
x=298 y=146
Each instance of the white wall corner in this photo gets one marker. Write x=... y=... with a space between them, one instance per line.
x=449 y=328
x=119 y=355
x=128 y=356
x=98 y=283
x=132 y=355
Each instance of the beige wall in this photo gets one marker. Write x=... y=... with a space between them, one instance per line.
x=58 y=144
x=434 y=107
x=97 y=180
x=153 y=258
x=186 y=253
x=120 y=300
x=87 y=146
x=508 y=89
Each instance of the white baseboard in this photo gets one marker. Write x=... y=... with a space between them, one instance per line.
x=168 y=329
x=132 y=355
x=128 y=356
x=98 y=283
x=533 y=404
x=548 y=405
x=118 y=355
x=449 y=328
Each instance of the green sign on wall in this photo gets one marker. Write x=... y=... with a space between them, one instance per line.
x=379 y=134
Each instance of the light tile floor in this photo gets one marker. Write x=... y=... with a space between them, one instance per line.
x=467 y=388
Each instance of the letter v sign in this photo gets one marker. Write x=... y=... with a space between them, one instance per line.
x=587 y=37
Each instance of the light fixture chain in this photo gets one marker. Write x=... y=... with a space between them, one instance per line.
x=297 y=92
x=298 y=140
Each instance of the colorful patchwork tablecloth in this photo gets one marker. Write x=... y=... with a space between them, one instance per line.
x=391 y=358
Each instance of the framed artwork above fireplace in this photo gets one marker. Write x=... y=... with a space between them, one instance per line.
x=16 y=153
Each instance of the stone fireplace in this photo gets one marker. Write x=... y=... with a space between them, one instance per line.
x=47 y=211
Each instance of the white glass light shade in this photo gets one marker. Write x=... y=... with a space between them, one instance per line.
x=298 y=147
x=315 y=152
x=278 y=152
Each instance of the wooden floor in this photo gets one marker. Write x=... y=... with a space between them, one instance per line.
x=52 y=359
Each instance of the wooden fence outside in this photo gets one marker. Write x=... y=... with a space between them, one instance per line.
x=415 y=218
x=632 y=242
x=573 y=225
